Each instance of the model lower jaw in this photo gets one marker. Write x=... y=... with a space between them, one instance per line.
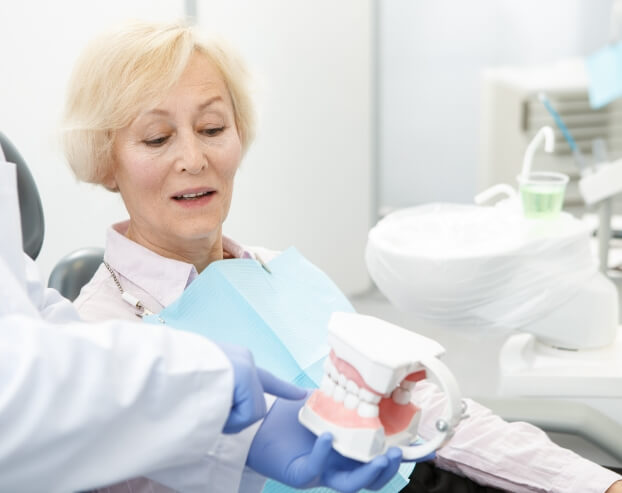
x=361 y=443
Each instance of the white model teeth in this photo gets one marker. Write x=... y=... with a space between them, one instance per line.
x=343 y=381
x=368 y=396
x=330 y=368
x=407 y=384
x=351 y=401
x=339 y=394
x=401 y=396
x=367 y=410
x=351 y=387
x=328 y=385
x=343 y=390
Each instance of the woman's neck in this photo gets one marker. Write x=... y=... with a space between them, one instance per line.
x=200 y=252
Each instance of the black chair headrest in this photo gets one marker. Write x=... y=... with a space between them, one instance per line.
x=33 y=226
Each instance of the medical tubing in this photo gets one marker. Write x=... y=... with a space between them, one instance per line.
x=558 y=121
x=545 y=133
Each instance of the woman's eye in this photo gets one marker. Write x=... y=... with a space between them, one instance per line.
x=212 y=131
x=156 y=142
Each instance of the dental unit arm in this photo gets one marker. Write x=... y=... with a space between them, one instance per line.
x=365 y=396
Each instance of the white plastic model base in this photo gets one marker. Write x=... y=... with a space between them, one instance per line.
x=365 y=395
x=605 y=182
x=531 y=368
x=588 y=320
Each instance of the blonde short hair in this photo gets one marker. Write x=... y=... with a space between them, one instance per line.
x=124 y=71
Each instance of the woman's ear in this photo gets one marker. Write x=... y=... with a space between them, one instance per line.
x=111 y=186
x=110 y=181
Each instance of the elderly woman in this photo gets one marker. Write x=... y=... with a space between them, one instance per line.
x=164 y=119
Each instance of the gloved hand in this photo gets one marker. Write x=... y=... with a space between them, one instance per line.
x=284 y=450
x=249 y=385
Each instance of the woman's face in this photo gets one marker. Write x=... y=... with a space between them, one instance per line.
x=175 y=164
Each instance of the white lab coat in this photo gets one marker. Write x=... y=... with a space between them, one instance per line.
x=70 y=394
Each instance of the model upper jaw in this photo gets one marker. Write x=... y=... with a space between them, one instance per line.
x=383 y=354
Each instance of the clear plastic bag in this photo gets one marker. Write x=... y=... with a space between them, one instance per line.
x=473 y=266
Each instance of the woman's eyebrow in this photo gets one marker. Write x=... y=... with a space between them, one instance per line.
x=209 y=102
x=155 y=111
x=201 y=107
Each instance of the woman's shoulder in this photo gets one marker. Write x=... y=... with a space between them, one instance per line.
x=100 y=299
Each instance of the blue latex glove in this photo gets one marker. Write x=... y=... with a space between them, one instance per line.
x=284 y=450
x=249 y=385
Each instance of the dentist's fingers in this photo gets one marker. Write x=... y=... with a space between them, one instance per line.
x=308 y=469
x=248 y=407
x=394 y=456
x=361 y=477
x=248 y=404
x=280 y=388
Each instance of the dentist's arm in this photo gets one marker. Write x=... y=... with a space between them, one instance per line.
x=87 y=405
x=82 y=406
x=138 y=399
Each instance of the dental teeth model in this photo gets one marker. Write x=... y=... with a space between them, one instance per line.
x=365 y=396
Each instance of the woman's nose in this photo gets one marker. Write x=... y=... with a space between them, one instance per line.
x=193 y=158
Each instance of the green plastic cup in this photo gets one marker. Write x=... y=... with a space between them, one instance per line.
x=542 y=194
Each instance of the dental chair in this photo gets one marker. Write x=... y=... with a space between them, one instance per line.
x=33 y=225
x=73 y=270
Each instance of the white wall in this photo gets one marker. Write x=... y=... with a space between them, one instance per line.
x=431 y=54
x=307 y=180
x=40 y=41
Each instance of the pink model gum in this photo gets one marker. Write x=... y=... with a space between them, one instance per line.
x=339 y=415
x=350 y=372
x=395 y=417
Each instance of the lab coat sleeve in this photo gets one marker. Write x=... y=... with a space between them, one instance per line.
x=219 y=471
x=223 y=468
x=83 y=406
x=48 y=302
x=516 y=457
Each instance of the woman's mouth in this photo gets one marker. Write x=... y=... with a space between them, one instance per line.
x=193 y=196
